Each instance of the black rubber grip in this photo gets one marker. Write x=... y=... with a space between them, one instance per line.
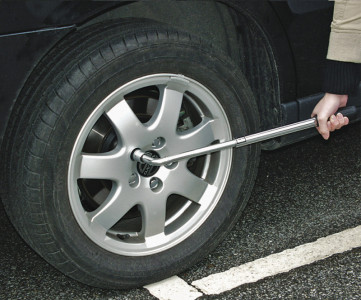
x=348 y=111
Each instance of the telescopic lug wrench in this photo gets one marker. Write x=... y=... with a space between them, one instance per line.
x=140 y=156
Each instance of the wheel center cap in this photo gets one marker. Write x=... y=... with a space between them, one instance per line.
x=147 y=170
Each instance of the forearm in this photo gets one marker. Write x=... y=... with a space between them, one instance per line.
x=345 y=37
x=342 y=70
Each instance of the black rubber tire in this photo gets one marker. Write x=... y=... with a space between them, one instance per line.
x=59 y=96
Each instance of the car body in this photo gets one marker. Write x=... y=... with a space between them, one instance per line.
x=279 y=46
x=29 y=30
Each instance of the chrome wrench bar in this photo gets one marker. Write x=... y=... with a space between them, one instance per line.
x=140 y=156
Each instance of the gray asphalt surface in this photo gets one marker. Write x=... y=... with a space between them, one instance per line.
x=303 y=192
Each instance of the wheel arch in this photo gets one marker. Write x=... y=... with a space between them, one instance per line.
x=250 y=34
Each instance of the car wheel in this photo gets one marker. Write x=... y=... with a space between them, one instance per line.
x=75 y=194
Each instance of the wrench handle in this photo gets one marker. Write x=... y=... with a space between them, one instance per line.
x=140 y=156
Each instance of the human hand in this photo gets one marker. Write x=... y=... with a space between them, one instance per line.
x=325 y=110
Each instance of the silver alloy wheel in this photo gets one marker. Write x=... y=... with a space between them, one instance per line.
x=133 y=209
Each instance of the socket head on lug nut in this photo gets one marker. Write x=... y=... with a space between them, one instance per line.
x=147 y=170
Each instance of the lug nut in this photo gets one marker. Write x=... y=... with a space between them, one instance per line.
x=133 y=180
x=158 y=142
x=154 y=183
x=171 y=165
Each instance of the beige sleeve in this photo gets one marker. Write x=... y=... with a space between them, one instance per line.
x=345 y=37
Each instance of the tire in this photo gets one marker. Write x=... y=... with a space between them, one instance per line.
x=73 y=192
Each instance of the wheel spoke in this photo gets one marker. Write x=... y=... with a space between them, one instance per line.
x=153 y=217
x=101 y=166
x=166 y=115
x=113 y=209
x=126 y=123
x=199 y=136
x=186 y=184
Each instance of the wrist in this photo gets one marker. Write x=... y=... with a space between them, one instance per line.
x=339 y=100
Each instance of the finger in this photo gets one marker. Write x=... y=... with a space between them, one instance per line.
x=325 y=135
x=334 y=123
x=340 y=120
x=323 y=128
x=329 y=126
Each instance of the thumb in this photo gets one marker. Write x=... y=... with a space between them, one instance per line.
x=323 y=128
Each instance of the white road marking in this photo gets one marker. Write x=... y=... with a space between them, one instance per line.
x=173 y=288
x=281 y=262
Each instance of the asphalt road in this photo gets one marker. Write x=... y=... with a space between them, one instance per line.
x=303 y=192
